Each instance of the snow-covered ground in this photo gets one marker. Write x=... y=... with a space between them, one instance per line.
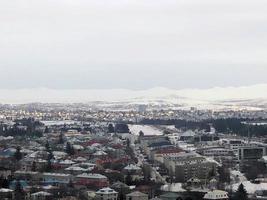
x=216 y=98
x=147 y=129
x=60 y=122
x=237 y=176
x=251 y=187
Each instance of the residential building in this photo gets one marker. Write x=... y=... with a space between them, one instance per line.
x=92 y=180
x=136 y=196
x=216 y=195
x=106 y=194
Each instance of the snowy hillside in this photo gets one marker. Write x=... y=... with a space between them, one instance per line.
x=249 y=96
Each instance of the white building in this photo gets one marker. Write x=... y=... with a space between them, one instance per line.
x=216 y=194
x=107 y=194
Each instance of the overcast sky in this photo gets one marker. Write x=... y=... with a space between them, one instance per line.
x=134 y=44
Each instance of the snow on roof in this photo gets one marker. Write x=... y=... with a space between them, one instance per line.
x=106 y=191
x=67 y=162
x=41 y=194
x=26 y=172
x=92 y=176
x=4 y=190
x=132 y=167
x=73 y=168
x=86 y=164
x=264 y=159
x=39 y=160
x=59 y=153
x=26 y=151
x=188 y=133
x=137 y=194
x=78 y=147
x=49 y=187
x=175 y=187
x=169 y=151
x=100 y=153
x=119 y=185
x=80 y=159
x=56 y=174
x=208 y=159
x=96 y=145
x=6 y=138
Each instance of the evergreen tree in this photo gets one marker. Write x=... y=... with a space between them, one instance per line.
x=70 y=184
x=46 y=129
x=5 y=183
x=33 y=166
x=212 y=172
x=69 y=149
x=19 y=193
x=1 y=181
x=128 y=179
x=47 y=146
x=224 y=175
x=50 y=155
x=147 y=172
x=48 y=166
x=61 y=139
x=18 y=154
x=141 y=134
x=241 y=193
x=128 y=142
x=111 y=128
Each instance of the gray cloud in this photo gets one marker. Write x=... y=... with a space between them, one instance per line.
x=132 y=44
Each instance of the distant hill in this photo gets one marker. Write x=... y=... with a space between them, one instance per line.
x=254 y=96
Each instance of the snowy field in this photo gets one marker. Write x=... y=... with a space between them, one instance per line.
x=147 y=129
x=250 y=187
x=60 y=122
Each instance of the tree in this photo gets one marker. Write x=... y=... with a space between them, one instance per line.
x=47 y=146
x=147 y=172
x=46 y=129
x=128 y=179
x=69 y=149
x=241 y=193
x=128 y=142
x=254 y=169
x=111 y=128
x=61 y=138
x=5 y=183
x=141 y=134
x=122 y=128
x=48 y=166
x=18 y=154
x=50 y=155
x=224 y=175
x=70 y=184
x=212 y=172
x=33 y=166
x=19 y=193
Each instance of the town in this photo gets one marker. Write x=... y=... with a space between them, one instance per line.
x=77 y=152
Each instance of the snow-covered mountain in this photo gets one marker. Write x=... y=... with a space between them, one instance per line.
x=255 y=95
